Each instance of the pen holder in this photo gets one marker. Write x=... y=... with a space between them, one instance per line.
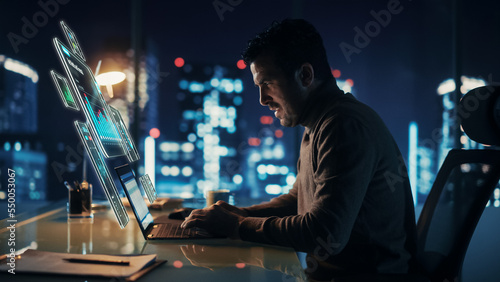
x=80 y=201
x=74 y=202
x=87 y=200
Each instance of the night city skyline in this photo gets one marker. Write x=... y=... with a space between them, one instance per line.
x=198 y=99
x=412 y=53
x=395 y=52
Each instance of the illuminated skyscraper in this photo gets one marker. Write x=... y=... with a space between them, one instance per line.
x=271 y=167
x=204 y=157
x=450 y=123
x=427 y=156
x=18 y=126
x=18 y=97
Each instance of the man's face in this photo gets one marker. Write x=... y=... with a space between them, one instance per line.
x=285 y=96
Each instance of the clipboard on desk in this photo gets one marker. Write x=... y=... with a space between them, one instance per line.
x=129 y=268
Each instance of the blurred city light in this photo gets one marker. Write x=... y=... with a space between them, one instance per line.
x=17 y=146
x=253 y=141
x=241 y=64
x=237 y=179
x=183 y=84
x=336 y=73
x=266 y=119
x=20 y=68
x=154 y=132
x=187 y=171
x=278 y=133
x=273 y=189
x=468 y=83
x=179 y=62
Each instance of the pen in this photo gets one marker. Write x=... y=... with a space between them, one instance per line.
x=77 y=185
x=97 y=261
x=68 y=186
x=2 y=257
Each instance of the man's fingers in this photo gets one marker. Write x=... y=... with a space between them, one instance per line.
x=193 y=219
x=226 y=206
x=197 y=218
x=223 y=204
x=231 y=208
x=190 y=223
x=195 y=212
x=185 y=223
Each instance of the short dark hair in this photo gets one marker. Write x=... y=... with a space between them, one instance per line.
x=291 y=42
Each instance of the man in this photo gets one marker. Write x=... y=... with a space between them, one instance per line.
x=351 y=207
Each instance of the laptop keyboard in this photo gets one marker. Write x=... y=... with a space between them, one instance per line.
x=169 y=230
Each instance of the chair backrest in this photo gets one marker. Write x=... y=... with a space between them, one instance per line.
x=452 y=210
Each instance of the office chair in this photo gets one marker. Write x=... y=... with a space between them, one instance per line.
x=461 y=190
x=452 y=210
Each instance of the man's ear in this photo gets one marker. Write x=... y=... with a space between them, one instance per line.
x=306 y=74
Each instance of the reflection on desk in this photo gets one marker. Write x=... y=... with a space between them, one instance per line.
x=240 y=255
x=188 y=260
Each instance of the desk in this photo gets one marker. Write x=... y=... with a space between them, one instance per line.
x=188 y=260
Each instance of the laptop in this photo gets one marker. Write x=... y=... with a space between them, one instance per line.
x=163 y=230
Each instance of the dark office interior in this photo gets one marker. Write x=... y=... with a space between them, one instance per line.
x=402 y=58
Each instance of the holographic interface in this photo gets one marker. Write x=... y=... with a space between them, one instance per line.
x=62 y=87
x=73 y=42
x=91 y=101
x=148 y=187
x=103 y=173
x=128 y=142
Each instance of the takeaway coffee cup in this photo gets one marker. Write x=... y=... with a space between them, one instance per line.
x=215 y=195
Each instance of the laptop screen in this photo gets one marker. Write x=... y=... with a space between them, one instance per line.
x=134 y=195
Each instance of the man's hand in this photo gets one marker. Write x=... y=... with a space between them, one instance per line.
x=220 y=219
x=233 y=209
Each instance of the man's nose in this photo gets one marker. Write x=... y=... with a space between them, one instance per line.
x=264 y=98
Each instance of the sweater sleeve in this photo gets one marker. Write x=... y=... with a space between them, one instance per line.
x=343 y=163
x=281 y=206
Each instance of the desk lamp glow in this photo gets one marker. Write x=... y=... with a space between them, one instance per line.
x=109 y=78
